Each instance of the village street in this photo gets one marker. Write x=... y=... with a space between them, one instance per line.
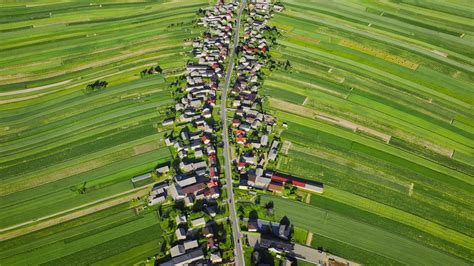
x=239 y=254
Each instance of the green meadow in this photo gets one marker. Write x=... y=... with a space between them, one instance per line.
x=378 y=104
x=63 y=146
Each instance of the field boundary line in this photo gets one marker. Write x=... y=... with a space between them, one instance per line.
x=72 y=213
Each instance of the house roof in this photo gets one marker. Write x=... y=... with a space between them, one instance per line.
x=192 y=189
x=275 y=187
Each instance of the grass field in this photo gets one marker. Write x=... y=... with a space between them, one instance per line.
x=56 y=138
x=103 y=237
x=378 y=104
x=64 y=147
x=380 y=245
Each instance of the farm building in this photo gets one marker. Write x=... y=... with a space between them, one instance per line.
x=141 y=177
x=198 y=222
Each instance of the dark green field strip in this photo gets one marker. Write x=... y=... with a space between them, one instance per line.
x=451 y=8
x=355 y=233
x=110 y=248
x=161 y=98
x=69 y=131
x=284 y=94
x=104 y=26
x=463 y=167
x=435 y=189
x=392 y=226
x=309 y=168
x=68 y=229
x=103 y=240
x=414 y=21
x=57 y=104
x=75 y=149
x=58 y=199
x=463 y=157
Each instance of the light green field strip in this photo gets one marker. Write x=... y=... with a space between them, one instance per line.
x=426 y=194
x=416 y=36
x=347 y=76
x=60 y=249
x=53 y=200
x=383 y=37
x=132 y=256
x=399 y=216
x=70 y=129
x=384 y=75
x=86 y=134
x=358 y=234
x=284 y=75
x=375 y=118
x=62 y=170
x=52 y=107
x=65 y=234
x=377 y=145
x=378 y=177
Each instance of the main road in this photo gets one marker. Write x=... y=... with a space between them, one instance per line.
x=238 y=251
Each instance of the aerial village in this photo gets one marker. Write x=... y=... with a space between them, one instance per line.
x=256 y=142
x=192 y=187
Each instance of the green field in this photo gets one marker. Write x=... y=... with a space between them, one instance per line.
x=57 y=138
x=380 y=243
x=378 y=104
x=110 y=236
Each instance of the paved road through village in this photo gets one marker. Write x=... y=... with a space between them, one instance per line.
x=238 y=251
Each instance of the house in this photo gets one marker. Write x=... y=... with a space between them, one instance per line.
x=192 y=244
x=252 y=226
x=198 y=222
x=268 y=242
x=177 y=250
x=185 y=259
x=180 y=233
x=193 y=189
x=216 y=257
x=314 y=187
x=188 y=200
x=141 y=177
x=169 y=142
x=208 y=231
x=156 y=200
x=181 y=219
x=272 y=154
x=284 y=231
x=167 y=122
x=198 y=153
x=211 y=243
x=184 y=180
x=276 y=187
x=264 y=140
x=211 y=192
x=211 y=210
x=162 y=169
x=262 y=181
